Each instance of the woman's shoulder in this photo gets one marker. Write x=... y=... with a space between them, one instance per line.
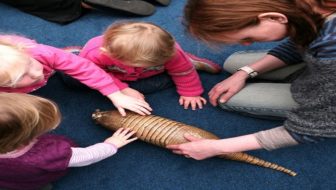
x=324 y=46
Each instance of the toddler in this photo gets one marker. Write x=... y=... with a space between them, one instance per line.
x=29 y=157
x=136 y=54
x=26 y=66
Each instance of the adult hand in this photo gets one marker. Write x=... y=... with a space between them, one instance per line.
x=194 y=102
x=122 y=102
x=133 y=93
x=197 y=148
x=227 y=88
x=121 y=137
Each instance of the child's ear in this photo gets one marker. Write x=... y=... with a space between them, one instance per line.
x=273 y=16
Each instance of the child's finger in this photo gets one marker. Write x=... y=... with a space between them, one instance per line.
x=144 y=104
x=122 y=111
x=140 y=110
x=130 y=134
x=193 y=105
x=132 y=139
x=118 y=131
x=181 y=101
x=203 y=100
x=199 y=104
x=124 y=131
x=145 y=110
x=186 y=104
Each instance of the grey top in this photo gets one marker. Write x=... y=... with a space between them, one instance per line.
x=315 y=92
x=315 y=89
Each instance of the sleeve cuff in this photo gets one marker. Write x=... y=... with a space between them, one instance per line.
x=113 y=146
x=275 y=138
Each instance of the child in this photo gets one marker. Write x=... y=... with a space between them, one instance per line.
x=26 y=66
x=131 y=51
x=30 y=158
x=310 y=111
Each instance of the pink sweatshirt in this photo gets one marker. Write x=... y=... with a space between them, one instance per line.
x=179 y=68
x=56 y=59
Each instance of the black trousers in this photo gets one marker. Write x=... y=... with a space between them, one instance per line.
x=59 y=11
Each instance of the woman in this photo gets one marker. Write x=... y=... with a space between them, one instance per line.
x=310 y=99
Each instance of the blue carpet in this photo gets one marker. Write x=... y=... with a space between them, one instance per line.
x=143 y=166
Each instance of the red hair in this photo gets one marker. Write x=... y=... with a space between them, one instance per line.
x=208 y=19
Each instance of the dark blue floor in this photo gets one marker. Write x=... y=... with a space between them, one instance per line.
x=143 y=166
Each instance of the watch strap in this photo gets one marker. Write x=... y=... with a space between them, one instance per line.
x=251 y=72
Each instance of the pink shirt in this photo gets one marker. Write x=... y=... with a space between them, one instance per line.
x=179 y=68
x=56 y=59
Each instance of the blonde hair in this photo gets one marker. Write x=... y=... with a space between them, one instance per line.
x=24 y=117
x=13 y=62
x=139 y=43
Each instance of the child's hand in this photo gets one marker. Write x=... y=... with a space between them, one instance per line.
x=195 y=102
x=122 y=102
x=133 y=93
x=122 y=137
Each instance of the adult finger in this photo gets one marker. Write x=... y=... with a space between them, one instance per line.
x=190 y=137
x=177 y=152
x=172 y=146
x=225 y=97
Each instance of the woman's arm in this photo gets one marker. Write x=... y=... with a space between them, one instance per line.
x=200 y=149
x=227 y=88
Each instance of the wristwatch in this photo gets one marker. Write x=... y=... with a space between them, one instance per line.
x=251 y=73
